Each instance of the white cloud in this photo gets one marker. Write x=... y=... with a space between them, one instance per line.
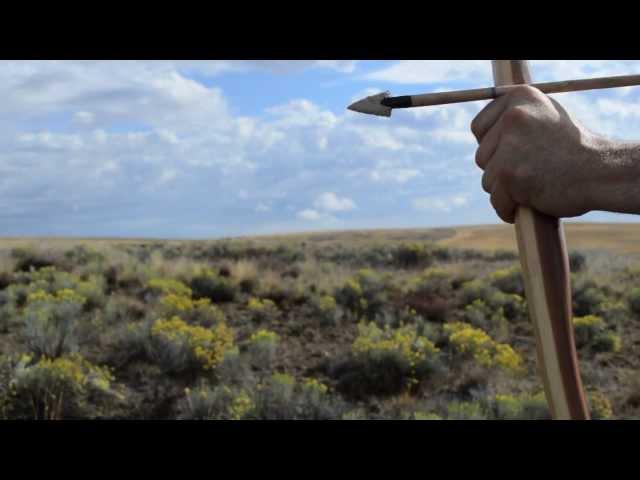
x=309 y=214
x=167 y=175
x=329 y=201
x=433 y=71
x=400 y=175
x=261 y=207
x=440 y=204
x=84 y=118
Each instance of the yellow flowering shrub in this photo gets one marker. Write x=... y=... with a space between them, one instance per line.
x=260 y=305
x=601 y=408
x=587 y=328
x=404 y=341
x=426 y=416
x=525 y=406
x=203 y=347
x=327 y=304
x=466 y=411
x=389 y=361
x=57 y=388
x=170 y=286
x=283 y=379
x=219 y=403
x=264 y=336
x=507 y=407
x=51 y=281
x=64 y=295
x=589 y=321
x=365 y=294
x=432 y=281
x=262 y=348
x=261 y=309
x=315 y=386
x=51 y=321
x=477 y=343
x=508 y=280
x=326 y=309
x=240 y=406
x=200 y=311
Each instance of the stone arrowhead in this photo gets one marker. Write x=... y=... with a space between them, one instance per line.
x=372 y=105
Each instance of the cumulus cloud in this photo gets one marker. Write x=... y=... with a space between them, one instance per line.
x=440 y=204
x=330 y=202
x=432 y=71
x=309 y=214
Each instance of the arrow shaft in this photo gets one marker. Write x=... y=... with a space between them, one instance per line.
x=458 y=96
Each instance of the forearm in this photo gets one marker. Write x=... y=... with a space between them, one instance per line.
x=615 y=181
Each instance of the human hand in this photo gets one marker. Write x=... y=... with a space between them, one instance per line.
x=534 y=154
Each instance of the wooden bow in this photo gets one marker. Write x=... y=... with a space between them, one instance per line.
x=545 y=268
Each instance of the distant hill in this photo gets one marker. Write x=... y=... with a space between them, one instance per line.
x=623 y=238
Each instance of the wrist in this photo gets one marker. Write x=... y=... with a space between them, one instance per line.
x=613 y=175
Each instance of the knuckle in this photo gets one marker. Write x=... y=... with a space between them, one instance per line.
x=526 y=92
x=475 y=126
x=480 y=160
x=487 y=183
x=516 y=116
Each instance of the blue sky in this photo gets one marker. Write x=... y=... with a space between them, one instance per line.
x=199 y=149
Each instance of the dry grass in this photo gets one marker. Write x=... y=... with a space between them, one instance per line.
x=244 y=270
x=622 y=238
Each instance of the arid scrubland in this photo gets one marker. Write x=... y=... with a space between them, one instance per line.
x=361 y=325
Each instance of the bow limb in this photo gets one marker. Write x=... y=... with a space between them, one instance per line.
x=545 y=269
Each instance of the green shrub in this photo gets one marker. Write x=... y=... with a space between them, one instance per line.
x=587 y=296
x=474 y=343
x=216 y=403
x=508 y=280
x=522 y=407
x=6 y=374
x=209 y=284
x=51 y=322
x=200 y=312
x=535 y=407
x=6 y=279
x=169 y=286
x=634 y=300
x=465 y=411
x=28 y=259
x=282 y=398
x=235 y=369
x=53 y=389
x=120 y=309
x=262 y=310
x=577 y=262
x=426 y=416
x=178 y=347
x=263 y=347
x=600 y=406
x=430 y=294
x=386 y=361
x=366 y=294
x=475 y=290
x=326 y=310
x=413 y=255
x=613 y=312
x=587 y=328
x=607 y=342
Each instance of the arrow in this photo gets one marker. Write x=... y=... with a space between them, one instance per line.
x=383 y=103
